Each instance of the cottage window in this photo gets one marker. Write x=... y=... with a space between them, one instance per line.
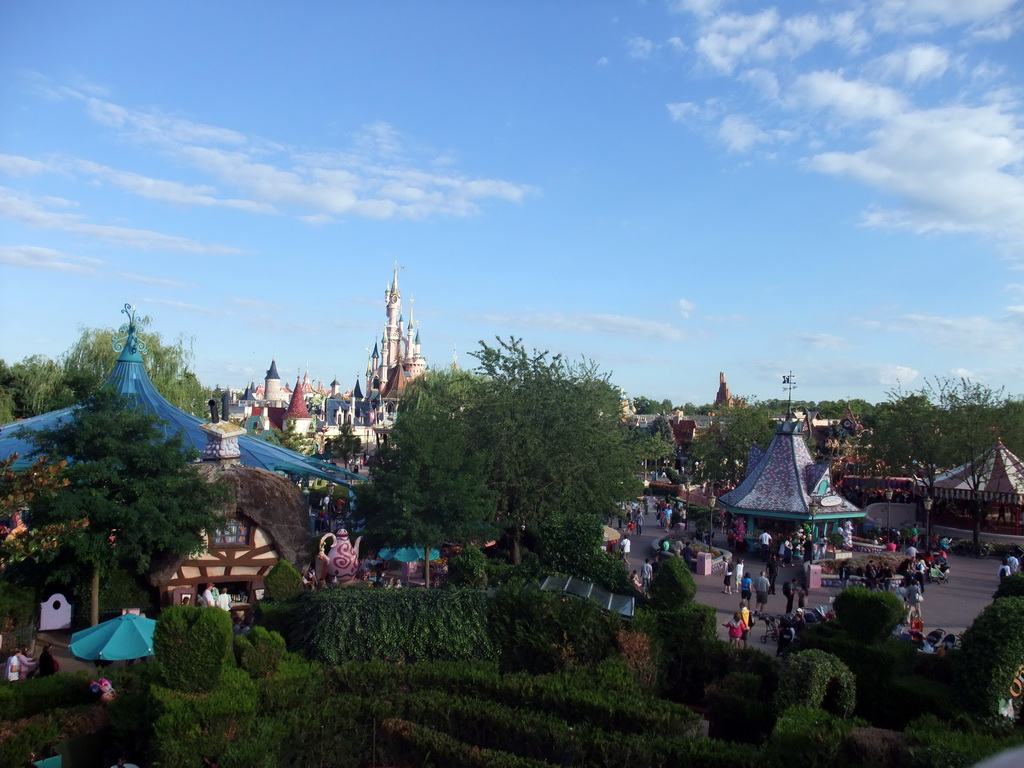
x=235 y=533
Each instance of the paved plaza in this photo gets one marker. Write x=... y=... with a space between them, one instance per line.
x=952 y=606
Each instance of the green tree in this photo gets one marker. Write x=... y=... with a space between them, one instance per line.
x=294 y=439
x=429 y=482
x=552 y=438
x=344 y=445
x=139 y=491
x=908 y=439
x=644 y=405
x=720 y=453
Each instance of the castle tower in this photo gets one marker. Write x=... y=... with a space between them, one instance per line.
x=272 y=384
x=297 y=411
x=724 y=397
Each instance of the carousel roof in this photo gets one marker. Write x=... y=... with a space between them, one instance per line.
x=999 y=477
x=783 y=481
x=129 y=377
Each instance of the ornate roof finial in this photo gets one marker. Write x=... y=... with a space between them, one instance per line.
x=126 y=340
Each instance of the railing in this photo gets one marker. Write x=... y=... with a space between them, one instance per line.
x=18 y=637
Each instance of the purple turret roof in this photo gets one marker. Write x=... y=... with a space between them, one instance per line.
x=783 y=480
x=272 y=371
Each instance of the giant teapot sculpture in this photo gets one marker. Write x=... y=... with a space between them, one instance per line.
x=342 y=558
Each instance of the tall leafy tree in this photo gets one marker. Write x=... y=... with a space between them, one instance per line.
x=428 y=485
x=909 y=439
x=139 y=491
x=720 y=453
x=552 y=437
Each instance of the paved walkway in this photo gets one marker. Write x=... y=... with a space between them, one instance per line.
x=952 y=606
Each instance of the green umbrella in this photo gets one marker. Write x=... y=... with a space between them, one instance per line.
x=123 y=637
x=407 y=554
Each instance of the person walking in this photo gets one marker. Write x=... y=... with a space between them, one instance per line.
x=646 y=574
x=773 y=572
x=844 y=574
x=761 y=586
x=789 y=592
x=735 y=626
x=624 y=547
x=765 y=540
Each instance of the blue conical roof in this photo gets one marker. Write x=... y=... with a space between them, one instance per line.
x=130 y=379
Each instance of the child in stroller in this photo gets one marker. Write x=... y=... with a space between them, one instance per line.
x=939 y=574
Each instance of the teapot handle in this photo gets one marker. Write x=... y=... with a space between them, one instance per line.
x=334 y=540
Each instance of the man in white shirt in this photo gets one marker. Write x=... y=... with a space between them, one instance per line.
x=766 y=543
x=209 y=601
x=1014 y=563
x=624 y=547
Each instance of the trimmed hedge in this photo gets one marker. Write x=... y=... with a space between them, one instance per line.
x=468 y=568
x=191 y=645
x=816 y=680
x=1011 y=586
x=866 y=615
x=40 y=695
x=990 y=662
x=259 y=653
x=283 y=583
x=736 y=711
x=426 y=747
x=673 y=585
x=807 y=737
x=343 y=624
x=932 y=742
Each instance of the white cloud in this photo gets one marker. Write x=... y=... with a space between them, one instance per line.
x=593 y=323
x=34 y=212
x=371 y=178
x=686 y=307
x=34 y=257
x=955 y=169
x=149 y=280
x=897 y=375
x=603 y=61
x=680 y=111
x=913 y=65
x=740 y=134
x=850 y=99
x=923 y=15
x=14 y=165
x=735 y=37
x=185 y=306
x=639 y=47
x=821 y=340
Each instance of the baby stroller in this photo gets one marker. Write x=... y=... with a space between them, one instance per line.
x=938 y=574
x=771 y=628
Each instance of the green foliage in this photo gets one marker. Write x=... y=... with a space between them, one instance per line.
x=468 y=568
x=294 y=439
x=690 y=653
x=1011 y=586
x=39 y=695
x=191 y=645
x=990 y=662
x=283 y=582
x=720 y=453
x=806 y=736
x=427 y=747
x=22 y=740
x=867 y=615
x=736 y=710
x=571 y=544
x=933 y=742
x=673 y=585
x=541 y=632
x=259 y=652
x=429 y=482
x=354 y=623
x=818 y=680
x=136 y=486
x=220 y=723
x=17 y=606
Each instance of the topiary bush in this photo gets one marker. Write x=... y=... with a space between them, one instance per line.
x=736 y=711
x=191 y=645
x=259 y=652
x=868 y=616
x=989 y=667
x=808 y=737
x=1011 y=586
x=468 y=568
x=673 y=585
x=819 y=680
x=283 y=583
x=17 y=606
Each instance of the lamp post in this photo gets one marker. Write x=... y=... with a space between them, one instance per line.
x=712 y=501
x=928 y=501
x=888 y=514
x=813 y=509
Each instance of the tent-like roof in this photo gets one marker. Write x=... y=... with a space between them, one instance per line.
x=784 y=481
x=129 y=377
x=1000 y=477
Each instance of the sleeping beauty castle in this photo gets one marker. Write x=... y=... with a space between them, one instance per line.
x=368 y=408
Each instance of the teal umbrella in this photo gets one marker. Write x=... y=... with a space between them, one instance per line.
x=123 y=637
x=407 y=554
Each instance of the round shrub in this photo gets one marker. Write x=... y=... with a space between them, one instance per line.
x=735 y=711
x=259 y=652
x=1012 y=586
x=191 y=645
x=868 y=616
x=468 y=568
x=819 y=680
x=283 y=583
x=990 y=663
x=673 y=586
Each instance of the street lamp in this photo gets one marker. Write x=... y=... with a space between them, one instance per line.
x=813 y=509
x=712 y=501
x=888 y=514
x=928 y=501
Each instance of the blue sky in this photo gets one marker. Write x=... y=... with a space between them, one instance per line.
x=670 y=189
